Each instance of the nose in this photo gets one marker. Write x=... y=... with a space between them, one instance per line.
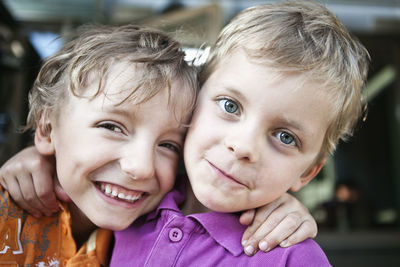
x=244 y=145
x=138 y=161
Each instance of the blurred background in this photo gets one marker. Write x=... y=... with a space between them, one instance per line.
x=356 y=198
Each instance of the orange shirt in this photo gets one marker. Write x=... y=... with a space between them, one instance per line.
x=47 y=241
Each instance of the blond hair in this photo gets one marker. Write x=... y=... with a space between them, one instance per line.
x=306 y=38
x=94 y=51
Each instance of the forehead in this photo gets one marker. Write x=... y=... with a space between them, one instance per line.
x=245 y=74
x=128 y=85
x=116 y=82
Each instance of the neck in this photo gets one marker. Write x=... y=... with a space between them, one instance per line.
x=81 y=226
x=192 y=205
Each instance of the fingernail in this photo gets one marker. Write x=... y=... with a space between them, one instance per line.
x=263 y=246
x=37 y=215
x=249 y=250
x=244 y=242
x=284 y=244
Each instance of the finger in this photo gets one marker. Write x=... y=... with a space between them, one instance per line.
x=29 y=194
x=282 y=232
x=3 y=183
x=264 y=238
x=43 y=184
x=307 y=229
x=262 y=217
x=5 y=175
x=266 y=217
x=274 y=229
x=17 y=195
x=246 y=218
x=262 y=226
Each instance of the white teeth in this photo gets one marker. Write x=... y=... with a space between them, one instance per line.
x=113 y=192
x=108 y=190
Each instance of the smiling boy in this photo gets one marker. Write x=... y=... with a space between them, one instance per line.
x=110 y=107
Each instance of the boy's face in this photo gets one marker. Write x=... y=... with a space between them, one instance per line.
x=116 y=162
x=254 y=135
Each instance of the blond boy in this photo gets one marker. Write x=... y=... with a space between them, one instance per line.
x=282 y=86
x=110 y=106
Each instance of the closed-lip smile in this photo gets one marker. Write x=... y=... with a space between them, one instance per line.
x=224 y=174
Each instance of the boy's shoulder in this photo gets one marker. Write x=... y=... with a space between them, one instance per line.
x=226 y=230
x=25 y=239
x=9 y=211
x=307 y=253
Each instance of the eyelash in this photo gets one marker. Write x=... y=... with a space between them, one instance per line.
x=172 y=147
x=110 y=126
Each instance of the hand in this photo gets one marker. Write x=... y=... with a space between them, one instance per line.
x=284 y=221
x=28 y=177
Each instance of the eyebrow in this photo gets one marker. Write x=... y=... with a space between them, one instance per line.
x=118 y=110
x=294 y=124
x=237 y=94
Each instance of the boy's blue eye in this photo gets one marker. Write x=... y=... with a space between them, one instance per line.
x=286 y=138
x=228 y=105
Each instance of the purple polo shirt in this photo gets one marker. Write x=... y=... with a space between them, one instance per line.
x=165 y=237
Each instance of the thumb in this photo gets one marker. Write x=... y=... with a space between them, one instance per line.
x=60 y=193
x=247 y=217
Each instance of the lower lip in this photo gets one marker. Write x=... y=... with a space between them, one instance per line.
x=223 y=175
x=117 y=202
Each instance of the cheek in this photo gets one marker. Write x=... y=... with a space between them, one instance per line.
x=166 y=173
x=275 y=173
x=201 y=133
x=281 y=176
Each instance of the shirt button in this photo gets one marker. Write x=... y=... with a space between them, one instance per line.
x=175 y=234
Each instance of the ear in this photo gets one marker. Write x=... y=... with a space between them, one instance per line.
x=43 y=140
x=308 y=175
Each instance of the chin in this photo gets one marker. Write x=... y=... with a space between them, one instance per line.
x=113 y=225
x=213 y=201
x=213 y=205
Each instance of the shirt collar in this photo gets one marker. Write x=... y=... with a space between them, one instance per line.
x=224 y=228
x=171 y=201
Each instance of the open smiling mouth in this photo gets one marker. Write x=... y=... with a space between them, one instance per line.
x=120 y=193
